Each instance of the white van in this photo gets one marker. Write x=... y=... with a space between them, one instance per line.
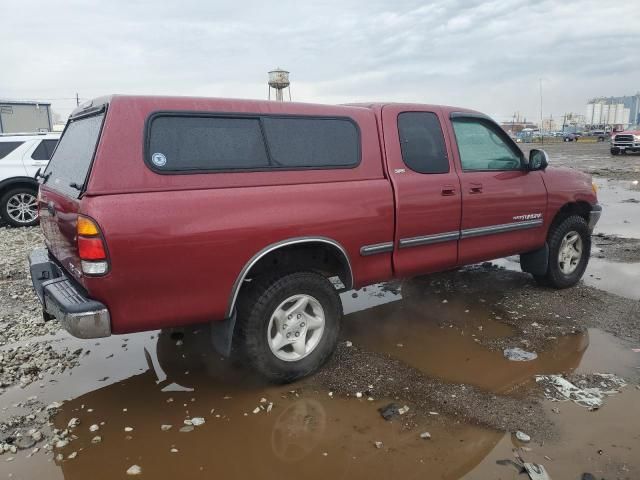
x=21 y=155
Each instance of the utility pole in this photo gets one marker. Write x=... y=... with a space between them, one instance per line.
x=541 y=119
x=77 y=100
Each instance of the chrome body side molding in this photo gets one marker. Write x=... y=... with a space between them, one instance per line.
x=385 y=247
x=429 y=239
x=505 y=227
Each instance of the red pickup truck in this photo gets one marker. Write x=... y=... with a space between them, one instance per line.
x=253 y=215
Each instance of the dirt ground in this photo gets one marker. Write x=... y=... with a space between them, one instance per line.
x=163 y=401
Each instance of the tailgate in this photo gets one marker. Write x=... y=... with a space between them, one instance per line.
x=62 y=187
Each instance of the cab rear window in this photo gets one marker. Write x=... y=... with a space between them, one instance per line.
x=192 y=143
x=69 y=167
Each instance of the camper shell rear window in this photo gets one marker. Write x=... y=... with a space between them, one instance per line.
x=201 y=142
x=69 y=167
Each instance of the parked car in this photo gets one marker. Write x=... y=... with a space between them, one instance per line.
x=20 y=158
x=601 y=135
x=571 y=137
x=626 y=141
x=253 y=215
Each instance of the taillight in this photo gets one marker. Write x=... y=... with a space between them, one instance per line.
x=91 y=247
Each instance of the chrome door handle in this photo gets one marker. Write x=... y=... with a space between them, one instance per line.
x=448 y=190
x=475 y=188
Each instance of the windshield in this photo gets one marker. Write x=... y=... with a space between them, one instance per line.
x=69 y=167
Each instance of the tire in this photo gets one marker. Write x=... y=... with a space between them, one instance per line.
x=258 y=328
x=614 y=152
x=13 y=207
x=564 y=274
x=567 y=139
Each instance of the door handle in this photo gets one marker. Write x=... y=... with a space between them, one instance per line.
x=475 y=188
x=448 y=190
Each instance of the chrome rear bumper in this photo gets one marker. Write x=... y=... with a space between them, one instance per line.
x=79 y=315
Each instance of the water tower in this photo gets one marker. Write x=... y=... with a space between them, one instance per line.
x=279 y=80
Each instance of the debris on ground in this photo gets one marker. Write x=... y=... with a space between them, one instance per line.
x=425 y=435
x=134 y=470
x=378 y=444
x=536 y=471
x=523 y=437
x=587 y=390
x=519 y=355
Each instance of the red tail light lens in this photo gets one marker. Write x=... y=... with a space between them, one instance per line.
x=91 y=248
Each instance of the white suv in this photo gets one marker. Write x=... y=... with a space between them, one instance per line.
x=21 y=155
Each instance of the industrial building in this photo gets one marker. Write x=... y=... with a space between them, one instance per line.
x=24 y=117
x=613 y=113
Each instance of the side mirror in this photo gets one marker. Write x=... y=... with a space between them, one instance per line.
x=538 y=159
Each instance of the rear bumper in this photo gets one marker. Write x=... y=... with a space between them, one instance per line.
x=79 y=315
x=594 y=216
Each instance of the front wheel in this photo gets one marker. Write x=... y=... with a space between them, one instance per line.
x=288 y=324
x=569 y=251
x=614 y=151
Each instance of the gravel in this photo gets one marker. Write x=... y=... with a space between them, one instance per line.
x=616 y=249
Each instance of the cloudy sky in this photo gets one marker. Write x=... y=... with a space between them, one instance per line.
x=488 y=55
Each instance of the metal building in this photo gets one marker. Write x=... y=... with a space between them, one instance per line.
x=25 y=117
x=613 y=112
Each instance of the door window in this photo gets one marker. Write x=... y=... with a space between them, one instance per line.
x=482 y=146
x=422 y=142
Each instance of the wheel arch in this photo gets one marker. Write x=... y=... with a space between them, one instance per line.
x=13 y=182
x=294 y=249
x=576 y=207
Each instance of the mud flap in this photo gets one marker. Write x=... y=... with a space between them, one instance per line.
x=535 y=262
x=222 y=335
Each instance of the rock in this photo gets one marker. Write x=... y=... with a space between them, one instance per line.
x=186 y=429
x=358 y=394
x=25 y=442
x=403 y=410
x=348 y=343
x=128 y=429
x=389 y=411
x=197 y=421
x=164 y=428
x=378 y=444
x=256 y=410
x=96 y=439
x=37 y=435
x=174 y=450
x=134 y=470
x=72 y=455
x=73 y=423
x=62 y=443
x=519 y=355
x=94 y=428
x=425 y=435
x=523 y=437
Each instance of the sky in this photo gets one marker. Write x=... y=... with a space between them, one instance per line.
x=487 y=55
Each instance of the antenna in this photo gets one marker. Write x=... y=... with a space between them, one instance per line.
x=279 y=81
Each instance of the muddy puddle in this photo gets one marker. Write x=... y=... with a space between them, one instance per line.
x=131 y=386
x=443 y=336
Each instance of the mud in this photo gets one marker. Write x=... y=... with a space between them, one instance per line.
x=593 y=158
x=616 y=248
x=434 y=344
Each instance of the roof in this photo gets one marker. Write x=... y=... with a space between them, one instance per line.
x=23 y=137
x=99 y=102
x=23 y=102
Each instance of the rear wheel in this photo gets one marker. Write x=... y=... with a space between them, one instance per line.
x=569 y=250
x=19 y=208
x=288 y=325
